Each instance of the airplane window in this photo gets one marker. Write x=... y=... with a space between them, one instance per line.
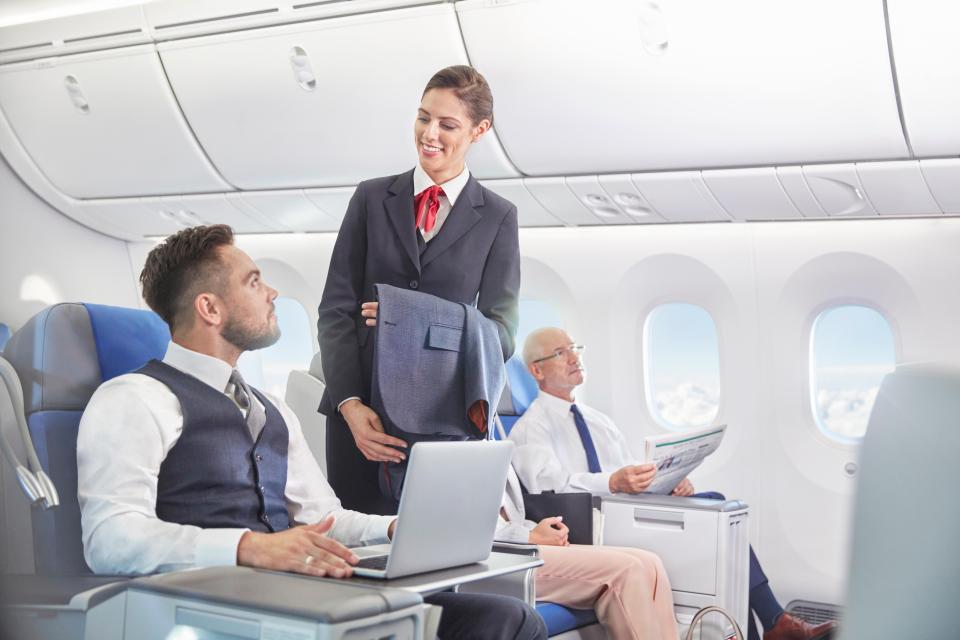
x=851 y=349
x=267 y=369
x=681 y=366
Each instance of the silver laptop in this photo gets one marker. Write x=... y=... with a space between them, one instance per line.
x=448 y=509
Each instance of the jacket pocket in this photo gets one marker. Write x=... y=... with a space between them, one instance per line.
x=440 y=336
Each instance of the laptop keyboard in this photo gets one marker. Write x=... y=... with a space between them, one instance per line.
x=373 y=562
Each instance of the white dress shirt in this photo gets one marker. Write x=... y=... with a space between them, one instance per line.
x=451 y=191
x=554 y=458
x=129 y=426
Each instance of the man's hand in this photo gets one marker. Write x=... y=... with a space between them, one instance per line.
x=305 y=549
x=551 y=532
x=369 y=311
x=684 y=489
x=632 y=478
x=368 y=433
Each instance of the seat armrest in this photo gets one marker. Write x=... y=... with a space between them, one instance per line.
x=518 y=548
x=520 y=584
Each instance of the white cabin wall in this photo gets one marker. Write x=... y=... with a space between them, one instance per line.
x=46 y=257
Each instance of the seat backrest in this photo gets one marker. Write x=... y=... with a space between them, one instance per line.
x=519 y=392
x=4 y=335
x=304 y=391
x=904 y=579
x=61 y=356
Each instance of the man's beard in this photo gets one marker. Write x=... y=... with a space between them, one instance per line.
x=248 y=338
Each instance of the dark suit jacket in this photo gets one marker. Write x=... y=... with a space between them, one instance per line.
x=475 y=258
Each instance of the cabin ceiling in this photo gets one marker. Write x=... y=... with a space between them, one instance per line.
x=142 y=118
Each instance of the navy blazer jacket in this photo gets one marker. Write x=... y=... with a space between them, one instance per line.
x=474 y=259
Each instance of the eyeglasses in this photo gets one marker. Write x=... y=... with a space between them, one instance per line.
x=575 y=349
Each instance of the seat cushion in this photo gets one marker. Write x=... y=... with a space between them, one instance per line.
x=560 y=619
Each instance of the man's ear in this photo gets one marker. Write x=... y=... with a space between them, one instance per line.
x=535 y=371
x=209 y=309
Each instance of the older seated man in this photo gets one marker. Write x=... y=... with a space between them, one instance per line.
x=181 y=464
x=581 y=449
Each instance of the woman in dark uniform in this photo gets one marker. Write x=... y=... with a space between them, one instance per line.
x=434 y=229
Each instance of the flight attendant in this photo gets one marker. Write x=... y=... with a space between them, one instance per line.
x=434 y=229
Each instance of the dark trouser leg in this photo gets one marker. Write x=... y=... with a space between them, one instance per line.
x=353 y=477
x=762 y=600
x=476 y=616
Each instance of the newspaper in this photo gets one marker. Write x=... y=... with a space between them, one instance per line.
x=676 y=455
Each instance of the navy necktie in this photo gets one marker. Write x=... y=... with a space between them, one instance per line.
x=593 y=463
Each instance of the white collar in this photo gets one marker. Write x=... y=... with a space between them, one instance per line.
x=553 y=403
x=207 y=369
x=451 y=188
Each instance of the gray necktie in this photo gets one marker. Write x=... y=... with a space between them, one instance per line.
x=256 y=417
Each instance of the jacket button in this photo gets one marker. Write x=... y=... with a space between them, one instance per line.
x=261 y=489
x=266 y=518
x=414 y=284
x=259 y=458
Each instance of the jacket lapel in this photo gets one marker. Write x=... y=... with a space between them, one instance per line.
x=400 y=213
x=461 y=219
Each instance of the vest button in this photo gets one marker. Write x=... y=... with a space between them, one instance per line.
x=259 y=458
x=261 y=489
x=266 y=518
x=414 y=284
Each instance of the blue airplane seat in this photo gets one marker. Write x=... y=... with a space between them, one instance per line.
x=61 y=356
x=519 y=392
x=4 y=335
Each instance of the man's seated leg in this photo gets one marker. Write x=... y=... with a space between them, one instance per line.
x=487 y=617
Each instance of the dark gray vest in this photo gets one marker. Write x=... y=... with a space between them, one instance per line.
x=216 y=476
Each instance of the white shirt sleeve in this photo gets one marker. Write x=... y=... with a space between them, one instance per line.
x=310 y=497
x=121 y=444
x=539 y=467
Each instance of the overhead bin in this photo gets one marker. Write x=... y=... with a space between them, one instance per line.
x=621 y=85
x=925 y=46
x=104 y=124
x=322 y=103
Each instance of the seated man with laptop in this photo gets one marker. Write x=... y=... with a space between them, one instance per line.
x=563 y=446
x=181 y=464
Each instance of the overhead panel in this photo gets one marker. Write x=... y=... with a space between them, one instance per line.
x=796 y=187
x=897 y=188
x=104 y=124
x=322 y=103
x=332 y=201
x=943 y=179
x=751 y=194
x=530 y=213
x=838 y=190
x=625 y=195
x=923 y=35
x=625 y=85
x=213 y=208
x=131 y=218
x=600 y=203
x=680 y=196
x=290 y=209
x=557 y=198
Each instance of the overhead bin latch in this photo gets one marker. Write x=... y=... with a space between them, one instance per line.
x=302 y=71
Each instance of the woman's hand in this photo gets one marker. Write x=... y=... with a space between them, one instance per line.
x=551 y=532
x=369 y=311
x=368 y=433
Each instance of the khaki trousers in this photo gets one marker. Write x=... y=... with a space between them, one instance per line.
x=628 y=588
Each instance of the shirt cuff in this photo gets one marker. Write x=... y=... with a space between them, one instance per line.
x=218 y=547
x=376 y=531
x=598 y=483
x=345 y=401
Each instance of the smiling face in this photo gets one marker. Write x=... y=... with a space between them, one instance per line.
x=443 y=133
x=560 y=374
x=251 y=322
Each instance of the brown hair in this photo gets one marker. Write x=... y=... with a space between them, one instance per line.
x=469 y=86
x=182 y=266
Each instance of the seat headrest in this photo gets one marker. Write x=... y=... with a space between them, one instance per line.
x=67 y=350
x=523 y=387
x=316 y=368
x=4 y=335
